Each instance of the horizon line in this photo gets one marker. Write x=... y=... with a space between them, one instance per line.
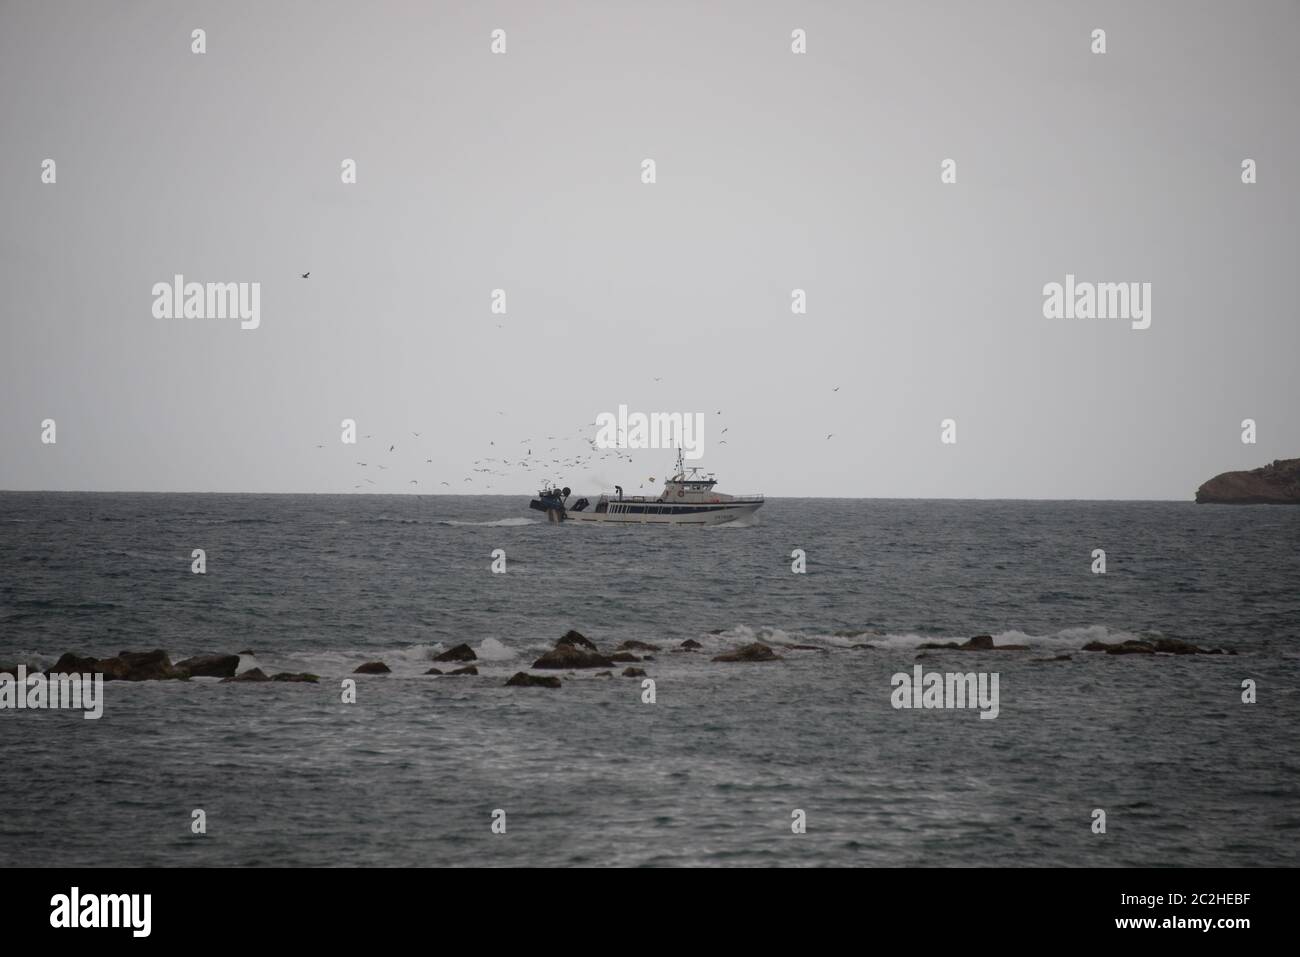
x=852 y=498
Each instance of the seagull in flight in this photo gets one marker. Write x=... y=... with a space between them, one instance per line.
x=306 y=274
x=829 y=434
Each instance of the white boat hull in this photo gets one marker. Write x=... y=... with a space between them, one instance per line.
x=688 y=498
x=627 y=514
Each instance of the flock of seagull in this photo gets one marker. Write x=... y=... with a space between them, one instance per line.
x=536 y=457
x=486 y=468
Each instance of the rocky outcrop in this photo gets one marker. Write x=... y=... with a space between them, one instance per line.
x=156 y=666
x=572 y=656
x=434 y=671
x=978 y=643
x=623 y=657
x=252 y=674
x=577 y=640
x=574 y=651
x=69 y=663
x=633 y=645
x=1162 y=646
x=523 y=679
x=690 y=644
x=1275 y=484
x=633 y=673
x=757 y=651
x=126 y=666
x=373 y=668
x=461 y=652
x=468 y=670
x=210 y=666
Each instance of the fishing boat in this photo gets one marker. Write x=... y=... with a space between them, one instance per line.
x=688 y=498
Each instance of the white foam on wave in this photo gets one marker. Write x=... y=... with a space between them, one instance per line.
x=490 y=649
x=1066 y=639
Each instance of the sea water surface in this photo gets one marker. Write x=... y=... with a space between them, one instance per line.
x=711 y=772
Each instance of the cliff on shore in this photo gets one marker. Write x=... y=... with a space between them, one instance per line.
x=1275 y=484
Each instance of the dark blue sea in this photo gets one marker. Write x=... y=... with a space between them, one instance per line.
x=714 y=769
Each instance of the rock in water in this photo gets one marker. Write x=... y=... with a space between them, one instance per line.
x=633 y=645
x=210 y=666
x=468 y=670
x=140 y=666
x=69 y=663
x=434 y=671
x=126 y=666
x=1274 y=484
x=1166 y=646
x=572 y=656
x=459 y=653
x=1176 y=646
x=295 y=676
x=373 y=668
x=252 y=674
x=752 y=652
x=576 y=639
x=978 y=643
x=690 y=644
x=633 y=673
x=623 y=657
x=523 y=679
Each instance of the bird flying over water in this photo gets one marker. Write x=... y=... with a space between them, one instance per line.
x=306 y=274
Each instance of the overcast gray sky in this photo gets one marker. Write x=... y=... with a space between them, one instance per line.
x=775 y=171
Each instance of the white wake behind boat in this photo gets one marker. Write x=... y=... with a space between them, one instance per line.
x=688 y=498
